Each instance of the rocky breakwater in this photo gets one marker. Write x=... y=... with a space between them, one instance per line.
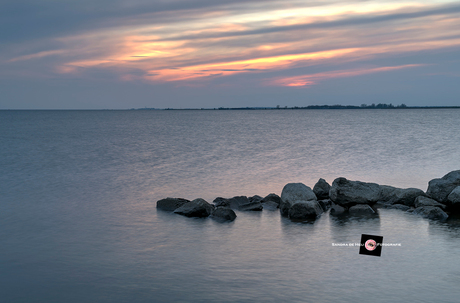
x=344 y=197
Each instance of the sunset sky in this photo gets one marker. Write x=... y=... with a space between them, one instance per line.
x=234 y=53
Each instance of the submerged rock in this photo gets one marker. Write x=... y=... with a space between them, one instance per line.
x=425 y=201
x=321 y=189
x=337 y=209
x=196 y=208
x=361 y=209
x=223 y=214
x=171 y=204
x=348 y=193
x=431 y=212
x=303 y=210
x=439 y=189
x=293 y=192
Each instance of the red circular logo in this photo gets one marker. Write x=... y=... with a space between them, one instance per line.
x=370 y=245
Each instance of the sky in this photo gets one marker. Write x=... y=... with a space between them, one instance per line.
x=118 y=54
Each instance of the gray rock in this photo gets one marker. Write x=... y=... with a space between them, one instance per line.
x=425 y=201
x=394 y=195
x=272 y=198
x=337 y=210
x=439 y=189
x=348 y=193
x=219 y=201
x=431 y=212
x=196 y=208
x=321 y=189
x=303 y=210
x=223 y=214
x=325 y=204
x=399 y=206
x=270 y=205
x=454 y=198
x=255 y=198
x=361 y=209
x=171 y=204
x=242 y=203
x=293 y=192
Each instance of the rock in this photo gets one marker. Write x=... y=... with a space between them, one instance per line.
x=425 y=201
x=223 y=214
x=348 y=193
x=272 y=198
x=394 y=195
x=321 y=189
x=270 y=205
x=454 y=199
x=255 y=198
x=197 y=208
x=325 y=204
x=431 y=212
x=171 y=204
x=303 y=210
x=361 y=209
x=439 y=189
x=293 y=192
x=242 y=203
x=399 y=206
x=337 y=209
x=219 y=201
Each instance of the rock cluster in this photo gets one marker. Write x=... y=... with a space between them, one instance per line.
x=301 y=203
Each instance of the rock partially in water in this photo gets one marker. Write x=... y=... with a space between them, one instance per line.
x=272 y=198
x=223 y=214
x=439 y=189
x=393 y=195
x=171 y=204
x=325 y=204
x=321 y=189
x=293 y=192
x=425 y=201
x=361 y=209
x=400 y=207
x=337 y=209
x=348 y=193
x=431 y=212
x=454 y=199
x=196 y=208
x=219 y=201
x=304 y=210
x=270 y=205
x=243 y=203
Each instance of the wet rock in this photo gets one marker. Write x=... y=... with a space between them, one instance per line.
x=270 y=205
x=439 y=189
x=425 y=201
x=293 y=192
x=221 y=202
x=171 y=204
x=348 y=193
x=303 y=210
x=325 y=204
x=223 y=214
x=337 y=209
x=361 y=209
x=196 y=208
x=394 y=195
x=272 y=198
x=242 y=203
x=431 y=212
x=454 y=199
x=321 y=189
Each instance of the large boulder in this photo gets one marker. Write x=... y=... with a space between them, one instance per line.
x=243 y=203
x=425 y=201
x=348 y=193
x=223 y=214
x=171 y=204
x=393 y=195
x=431 y=212
x=196 y=208
x=439 y=189
x=453 y=199
x=293 y=192
x=321 y=189
x=304 y=210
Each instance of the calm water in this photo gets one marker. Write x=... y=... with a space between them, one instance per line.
x=78 y=221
